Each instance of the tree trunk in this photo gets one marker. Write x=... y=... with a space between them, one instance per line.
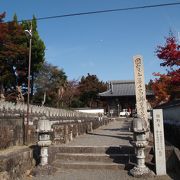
x=44 y=98
x=91 y=102
x=20 y=97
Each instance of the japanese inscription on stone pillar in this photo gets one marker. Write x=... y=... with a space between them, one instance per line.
x=159 y=142
x=141 y=103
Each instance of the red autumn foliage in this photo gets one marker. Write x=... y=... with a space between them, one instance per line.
x=160 y=88
x=175 y=77
x=14 y=55
x=170 y=53
x=167 y=86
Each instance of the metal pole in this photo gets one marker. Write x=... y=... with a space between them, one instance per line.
x=28 y=95
x=118 y=109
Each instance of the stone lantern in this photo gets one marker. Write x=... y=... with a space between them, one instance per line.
x=44 y=130
x=139 y=142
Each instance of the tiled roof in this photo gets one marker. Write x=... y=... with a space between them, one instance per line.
x=121 y=88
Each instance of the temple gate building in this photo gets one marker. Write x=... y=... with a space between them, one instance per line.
x=121 y=95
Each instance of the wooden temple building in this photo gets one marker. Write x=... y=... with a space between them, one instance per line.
x=121 y=95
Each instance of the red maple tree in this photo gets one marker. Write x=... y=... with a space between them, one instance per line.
x=13 y=56
x=170 y=52
x=167 y=86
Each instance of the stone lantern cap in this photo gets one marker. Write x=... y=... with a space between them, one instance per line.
x=44 y=125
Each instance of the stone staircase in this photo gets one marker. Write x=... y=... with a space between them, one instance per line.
x=105 y=148
x=94 y=157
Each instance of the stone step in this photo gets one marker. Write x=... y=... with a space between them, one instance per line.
x=95 y=149
x=96 y=157
x=86 y=165
x=119 y=158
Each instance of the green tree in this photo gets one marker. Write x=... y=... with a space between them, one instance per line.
x=70 y=94
x=38 y=50
x=14 y=56
x=89 y=87
x=49 y=85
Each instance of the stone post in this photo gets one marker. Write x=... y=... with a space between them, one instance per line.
x=140 y=123
x=77 y=129
x=44 y=129
x=159 y=142
x=66 y=133
x=71 y=132
x=141 y=102
x=91 y=126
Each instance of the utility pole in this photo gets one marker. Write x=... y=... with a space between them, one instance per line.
x=29 y=34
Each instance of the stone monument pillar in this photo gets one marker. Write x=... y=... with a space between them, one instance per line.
x=141 y=102
x=140 y=123
x=159 y=142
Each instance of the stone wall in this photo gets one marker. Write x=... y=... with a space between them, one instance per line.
x=12 y=132
x=172 y=133
x=65 y=132
x=173 y=160
x=15 y=163
x=172 y=113
x=11 y=129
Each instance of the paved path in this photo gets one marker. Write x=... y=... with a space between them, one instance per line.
x=82 y=174
x=114 y=134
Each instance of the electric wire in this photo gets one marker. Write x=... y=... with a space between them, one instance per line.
x=102 y=11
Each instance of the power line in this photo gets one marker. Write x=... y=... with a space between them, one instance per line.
x=103 y=11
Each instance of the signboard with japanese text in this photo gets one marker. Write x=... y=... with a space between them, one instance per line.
x=141 y=102
x=160 y=158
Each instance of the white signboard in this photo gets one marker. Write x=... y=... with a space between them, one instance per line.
x=160 y=158
x=141 y=103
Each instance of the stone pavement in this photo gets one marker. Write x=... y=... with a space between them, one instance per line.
x=85 y=174
x=114 y=134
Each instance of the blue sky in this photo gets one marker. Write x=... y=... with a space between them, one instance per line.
x=101 y=44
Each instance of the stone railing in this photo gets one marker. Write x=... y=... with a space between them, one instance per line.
x=12 y=130
x=67 y=131
x=20 y=108
x=65 y=123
